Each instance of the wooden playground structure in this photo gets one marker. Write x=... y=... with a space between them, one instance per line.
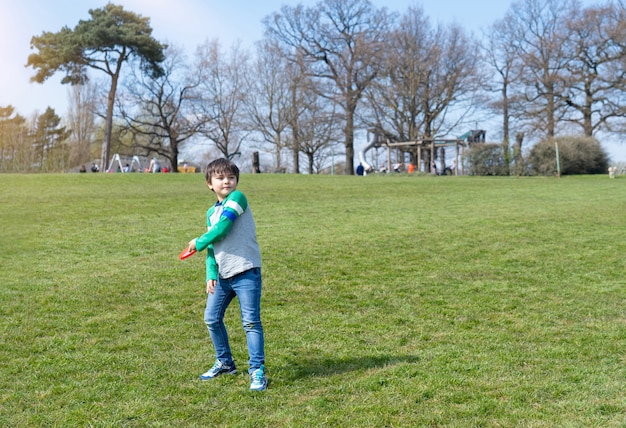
x=424 y=152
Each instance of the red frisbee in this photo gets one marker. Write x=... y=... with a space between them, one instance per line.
x=186 y=253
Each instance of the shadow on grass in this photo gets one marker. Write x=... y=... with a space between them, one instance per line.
x=310 y=366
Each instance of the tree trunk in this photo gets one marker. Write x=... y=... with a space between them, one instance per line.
x=108 y=127
x=310 y=159
x=519 y=163
x=505 y=128
x=349 y=136
x=256 y=167
x=296 y=160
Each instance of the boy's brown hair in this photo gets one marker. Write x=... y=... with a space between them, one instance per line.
x=221 y=166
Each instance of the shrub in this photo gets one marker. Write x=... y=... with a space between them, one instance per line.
x=487 y=159
x=577 y=155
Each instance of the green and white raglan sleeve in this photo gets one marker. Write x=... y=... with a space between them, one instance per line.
x=232 y=207
x=211 y=264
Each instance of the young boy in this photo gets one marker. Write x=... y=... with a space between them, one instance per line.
x=233 y=269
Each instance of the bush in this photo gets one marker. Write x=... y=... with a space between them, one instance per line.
x=577 y=155
x=487 y=159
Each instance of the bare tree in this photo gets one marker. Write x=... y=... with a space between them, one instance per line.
x=543 y=41
x=429 y=80
x=502 y=56
x=270 y=103
x=317 y=132
x=394 y=98
x=224 y=90
x=163 y=109
x=596 y=73
x=428 y=72
x=302 y=94
x=81 y=121
x=344 y=42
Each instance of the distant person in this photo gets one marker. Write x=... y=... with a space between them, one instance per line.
x=233 y=269
x=127 y=168
x=448 y=169
x=410 y=168
x=155 y=166
x=94 y=167
x=612 y=171
x=83 y=168
x=433 y=167
x=453 y=167
x=360 y=169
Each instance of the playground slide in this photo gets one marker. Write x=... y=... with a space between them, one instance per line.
x=373 y=141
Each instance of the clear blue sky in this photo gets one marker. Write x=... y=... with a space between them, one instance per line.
x=186 y=23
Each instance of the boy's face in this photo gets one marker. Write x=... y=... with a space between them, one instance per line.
x=223 y=184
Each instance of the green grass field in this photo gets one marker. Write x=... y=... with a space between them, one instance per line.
x=389 y=301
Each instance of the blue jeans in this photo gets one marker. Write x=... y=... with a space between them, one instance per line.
x=246 y=286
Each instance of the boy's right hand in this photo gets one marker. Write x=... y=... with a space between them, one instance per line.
x=192 y=244
x=210 y=286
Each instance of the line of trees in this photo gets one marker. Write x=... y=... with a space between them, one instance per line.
x=320 y=75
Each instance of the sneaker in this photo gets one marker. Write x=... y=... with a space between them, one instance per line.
x=218 y=369
x=258 y=381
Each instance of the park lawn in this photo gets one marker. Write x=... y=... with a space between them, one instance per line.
x=388 y=301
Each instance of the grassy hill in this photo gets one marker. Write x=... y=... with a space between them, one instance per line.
x=388 y=301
